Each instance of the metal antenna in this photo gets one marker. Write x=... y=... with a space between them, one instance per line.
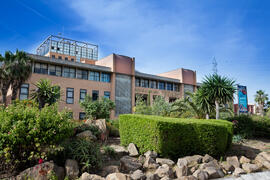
x=214 y=63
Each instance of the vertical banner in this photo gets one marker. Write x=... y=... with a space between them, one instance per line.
x=242 y=99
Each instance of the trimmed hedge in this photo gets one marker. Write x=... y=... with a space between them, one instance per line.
x=173 y=137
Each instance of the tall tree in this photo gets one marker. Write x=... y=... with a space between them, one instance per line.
x=219 y=90
x=21 y=71
x=261 y=97
x=5 y=74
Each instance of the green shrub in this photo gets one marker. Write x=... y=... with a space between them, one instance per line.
x=99 y=109
x=243 y=125
x=86 y=153
x=261 y=127
x=26 y=132
x=84 y=127
x=113 y=127
x=109 y=151
x=176 y=137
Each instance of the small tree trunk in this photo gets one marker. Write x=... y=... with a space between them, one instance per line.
x=261 y=110
x=217 y=109
x=207 y=116
x=14 y=94
x=4 y=96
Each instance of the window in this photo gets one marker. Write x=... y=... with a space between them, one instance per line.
x=24 y=91
x=82 y=115
x=161 y=85
x=69 y=72
x=55 y=70
x=82 y=74
x=70 y=96
x=59 y=57
x=153 y=84
x=172 y=99
x=144 y=83
x=137 y=82
x=169 y=86
x=53 y=56
x=41 y=68
x=66 y=58
x=94 y=76
x=176 y=87
x=105 y=77
x=94 y=95
x=83 y=93
x=72 y=59
x=107 y=94
x=66 y=48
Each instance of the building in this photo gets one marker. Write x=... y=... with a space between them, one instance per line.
x=75 y=67
x=251 y=109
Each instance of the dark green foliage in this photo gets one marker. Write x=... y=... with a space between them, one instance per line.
x=175 y=137
x=85 y=152
x=99 y=109
x=109 y=151
x=46 y=93
x=84 y=127
x=26 y=132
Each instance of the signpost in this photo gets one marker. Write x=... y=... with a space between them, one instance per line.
x=242 y=99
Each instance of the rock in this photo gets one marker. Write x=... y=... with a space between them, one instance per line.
x=150 y=163
x=214 y=173
x=72 y=168
x=238 y=172
x=108 y=170
x=119 y=150
x=101 y=124
x=233 y=160
x=227 y=167
x=86 y=176
x=164 y=170
x=152 y=154
x=165 y=178
x=181 y=171
x=207 y=158
x=42 y=171
x=187 y=178
x=138 y=175
x=243 y=160
x=261 y=160
x=250 y=168
x=87 y=135
x=151 y=176
x=132 y=150
x=213 y=163
x=89 y=122
x=117 y=176
x=266 y=155
x=141 y=159
x=190 y=160
x=129 y=164
x=165 y=161
x=193 y=169
x=200 y=175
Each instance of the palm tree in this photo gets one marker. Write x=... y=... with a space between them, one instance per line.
x=261 y=97
x=218 y=90
x=21 y=71
x=204 y=102
x=5 y=74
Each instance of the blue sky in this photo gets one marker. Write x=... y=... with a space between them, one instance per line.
x=162 y=35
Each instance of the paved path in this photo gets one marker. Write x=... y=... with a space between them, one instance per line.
x=253 y=176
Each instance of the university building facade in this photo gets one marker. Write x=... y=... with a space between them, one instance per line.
x=75 y=67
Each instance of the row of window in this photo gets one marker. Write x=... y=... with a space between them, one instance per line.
x=66 y=58
x=69 y=72
x=156 y=84
x=24 y=93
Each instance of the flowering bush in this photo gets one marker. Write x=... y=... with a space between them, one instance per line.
x=26 y=132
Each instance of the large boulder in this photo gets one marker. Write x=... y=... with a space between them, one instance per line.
x=42 y=172
x=250 y=168
x=119 y=150
x=243 y=160
x=181 y=170
x=138 y=175
x=101 y=124
x=227 y=167
x=207 y=158
x=129 y=164
x=117 y=176
x=266 y=155
x=191 y=160
x=86 y=176
x=87 y=135
x=165 y=161
x=132 y=149
x=72 y=169
x=261 y=160
x=150 y=163
x=164 y=171
x=214 y=173
x=233 y=160
x=238 y=171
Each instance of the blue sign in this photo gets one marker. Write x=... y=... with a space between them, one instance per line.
x=242 y=99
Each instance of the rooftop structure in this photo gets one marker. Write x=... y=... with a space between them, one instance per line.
x=60 y=45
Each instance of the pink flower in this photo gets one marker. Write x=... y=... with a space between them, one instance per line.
x=40 y=161
x=9 y=132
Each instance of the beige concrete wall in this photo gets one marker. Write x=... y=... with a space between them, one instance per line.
x=77 y=84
